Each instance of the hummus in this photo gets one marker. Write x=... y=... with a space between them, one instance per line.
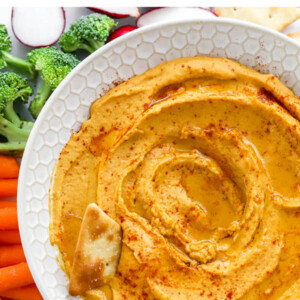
x=198 y=161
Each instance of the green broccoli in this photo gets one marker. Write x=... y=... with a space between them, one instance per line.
x=88 y=33
x=14 y=131
x=53 y=65
x=8 y=60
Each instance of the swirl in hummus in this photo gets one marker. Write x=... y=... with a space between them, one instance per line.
x=198 y=161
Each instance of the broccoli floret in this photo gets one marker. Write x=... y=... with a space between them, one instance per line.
x=88 y=33
x=8 y=60
x=14 y=131
x=53 y=65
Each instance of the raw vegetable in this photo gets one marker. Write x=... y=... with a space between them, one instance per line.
x=14 y=277
x=8 y=60
x=11 y=255
x=14 y=131
x=29 y=292
x=118 y=12
x=10 y=237
x=164 y=14
x=38 y=26
x=9 y=167
x=4 y=204
x=120 y=31
x=53 y=66
x=8 y=218
x=88 y=33
x=8 y=187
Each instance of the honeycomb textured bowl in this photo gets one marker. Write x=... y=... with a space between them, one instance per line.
x=264 y=50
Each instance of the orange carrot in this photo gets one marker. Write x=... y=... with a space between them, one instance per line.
x=10 y=237
x=29 y=292
x=8 y=187
x=14 y=277
x=10 y=198
x=8 y=204
x=9 y=167
x=8 y=218
x=11 y=255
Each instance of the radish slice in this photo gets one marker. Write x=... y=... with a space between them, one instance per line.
x=120 y=31
x=158 y=15
x=118 y=12
x=38 y=26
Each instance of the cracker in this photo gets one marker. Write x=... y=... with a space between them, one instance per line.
x=97 y=251
x=273 y=17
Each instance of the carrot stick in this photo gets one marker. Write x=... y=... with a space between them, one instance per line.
x=10 y=237
x=9 y=198
x=29 y=292
x=15 y=276
x=8 y=204
x=8 y=187
x=11 y=255
x=8 y=218
x=9 y=167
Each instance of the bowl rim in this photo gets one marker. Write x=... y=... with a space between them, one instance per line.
x=82 y=64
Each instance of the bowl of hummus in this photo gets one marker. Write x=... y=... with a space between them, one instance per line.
x=167 y=166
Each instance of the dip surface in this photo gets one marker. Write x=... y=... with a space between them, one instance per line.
x=198 y=161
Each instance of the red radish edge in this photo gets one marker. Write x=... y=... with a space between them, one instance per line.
x=158 y=8
x=39 y=46
x=209 y=10
x=121 y=31
x=115 y=15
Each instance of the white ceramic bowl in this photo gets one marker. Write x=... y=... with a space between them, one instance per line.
x=260 y=48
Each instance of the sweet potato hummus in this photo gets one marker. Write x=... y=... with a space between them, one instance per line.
x=198 y=162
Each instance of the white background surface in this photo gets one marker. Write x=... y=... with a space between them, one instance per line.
x=160 y=3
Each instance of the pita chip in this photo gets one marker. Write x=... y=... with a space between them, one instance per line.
x=98 y=294
x=97 y=251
